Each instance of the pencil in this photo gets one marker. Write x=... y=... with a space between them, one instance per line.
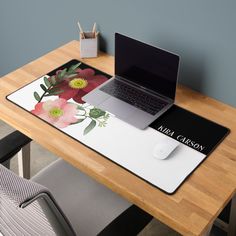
x=81 y=30
x=94 y=27
x=94 y=30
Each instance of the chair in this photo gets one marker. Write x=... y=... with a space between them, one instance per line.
x=61 y=200
x=16 y=143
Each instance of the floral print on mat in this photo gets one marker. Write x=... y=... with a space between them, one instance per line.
x=57 y=112
x=84 y=82
x=72 y=83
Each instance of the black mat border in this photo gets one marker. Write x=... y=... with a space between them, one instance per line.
x=169 y=193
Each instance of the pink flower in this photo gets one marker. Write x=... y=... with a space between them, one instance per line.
x=81 y=84
x=58 y=112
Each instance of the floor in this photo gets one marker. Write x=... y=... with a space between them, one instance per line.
x=40 y=158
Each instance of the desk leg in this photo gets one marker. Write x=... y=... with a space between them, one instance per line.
x=232 y=218
x=24 y=161
x=208 y=231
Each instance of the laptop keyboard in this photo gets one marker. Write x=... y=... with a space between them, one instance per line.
x=133 y=96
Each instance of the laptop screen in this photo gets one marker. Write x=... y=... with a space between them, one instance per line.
x=150 y=67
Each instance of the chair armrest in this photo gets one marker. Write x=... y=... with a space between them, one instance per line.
x=17 y=192
x=12 y=144
x=17 y=189
x=130 y=222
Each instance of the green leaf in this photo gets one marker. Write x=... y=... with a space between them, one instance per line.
x=90 y=127
x=74 y=67
x=77 y=122
x=54 y=92
x=70 y=75
x=80 y=108
x=46 y=81
x=53 y=80
x=106 y=116
x=62 y=74
x=43 y=87
x=36 y=96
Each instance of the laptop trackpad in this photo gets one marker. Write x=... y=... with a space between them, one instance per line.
x=117 y=107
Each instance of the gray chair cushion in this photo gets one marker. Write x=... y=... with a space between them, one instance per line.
x=88 y=205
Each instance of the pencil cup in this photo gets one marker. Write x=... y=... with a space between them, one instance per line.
x=88 y=45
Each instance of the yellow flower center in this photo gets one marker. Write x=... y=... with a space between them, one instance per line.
x=56 y=112
x=78 y=83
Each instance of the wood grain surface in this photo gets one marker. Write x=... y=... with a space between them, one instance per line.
x=193 y=208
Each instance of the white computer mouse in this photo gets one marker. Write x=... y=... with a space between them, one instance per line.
x=164 y=148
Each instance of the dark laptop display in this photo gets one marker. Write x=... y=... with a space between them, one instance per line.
x=144 y=84
x=154 y=69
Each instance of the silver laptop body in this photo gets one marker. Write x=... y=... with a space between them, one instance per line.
x=144 y=84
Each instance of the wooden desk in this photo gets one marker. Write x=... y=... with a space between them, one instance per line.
x=193 y=208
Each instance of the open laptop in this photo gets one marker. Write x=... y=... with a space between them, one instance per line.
x=144 y=84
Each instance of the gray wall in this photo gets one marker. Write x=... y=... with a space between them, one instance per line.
x=201 y=31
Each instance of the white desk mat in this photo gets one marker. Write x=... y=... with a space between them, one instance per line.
x=120 y=142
